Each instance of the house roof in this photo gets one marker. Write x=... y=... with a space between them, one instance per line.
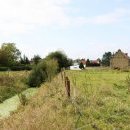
x=124 y=54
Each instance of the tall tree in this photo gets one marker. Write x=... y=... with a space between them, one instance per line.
x=3 y=58
x=36 y=59
x=61 y=58
x=9 y=54
x=88 y=62
x=106 y=59
x=24 y=60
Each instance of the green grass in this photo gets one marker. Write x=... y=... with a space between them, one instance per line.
x=106 y=98
x=10 y=105
x=100 y=100
x=12 y=83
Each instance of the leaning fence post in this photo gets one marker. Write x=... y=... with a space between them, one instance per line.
x=62 y=76
x=67 y=85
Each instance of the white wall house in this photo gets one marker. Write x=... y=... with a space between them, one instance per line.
x=75 y=67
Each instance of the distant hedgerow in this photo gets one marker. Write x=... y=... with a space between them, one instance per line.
x=42 y=72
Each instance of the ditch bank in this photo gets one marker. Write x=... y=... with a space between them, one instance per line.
x=12 y=104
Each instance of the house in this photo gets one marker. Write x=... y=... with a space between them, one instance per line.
x=120 y=60
x=93 y=63
x=75 y=66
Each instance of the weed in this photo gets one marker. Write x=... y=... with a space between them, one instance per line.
x=23 y=99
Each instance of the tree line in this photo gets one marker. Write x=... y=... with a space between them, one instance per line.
x=43 y=69
x=11 y=58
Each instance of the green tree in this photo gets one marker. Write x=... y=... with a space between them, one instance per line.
x=81 y=66
x=88 y=62
x=61 y=58
x=36 y=59
x=9 y=54
x=43 y=71
x=24 y=60
x=106 y=59
x=3 y=58
x=70 y=62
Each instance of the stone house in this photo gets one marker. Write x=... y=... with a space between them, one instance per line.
x=120 y=60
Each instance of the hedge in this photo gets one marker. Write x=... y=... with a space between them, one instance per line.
x=16 y=68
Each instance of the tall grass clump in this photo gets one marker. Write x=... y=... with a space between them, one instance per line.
x=23 y=99
x=11 y=83
x=128 y=82
x=42 y=72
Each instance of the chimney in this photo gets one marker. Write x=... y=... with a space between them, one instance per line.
x=126 y=54
x=119 y=50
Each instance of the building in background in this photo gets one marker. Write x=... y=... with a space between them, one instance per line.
x=120 y=60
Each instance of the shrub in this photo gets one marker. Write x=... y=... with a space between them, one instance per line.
x=61 y=58
x=23 y=99
x=42 y=72
x=3 y=68
x=94 y=64
x=81 y=66
x=51 y=69
x=20 y=68
x=16 y=68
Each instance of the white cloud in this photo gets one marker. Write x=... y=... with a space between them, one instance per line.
x=110 y=18
x=22 y=15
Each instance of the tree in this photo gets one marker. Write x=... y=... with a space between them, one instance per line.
x=70 y=62
x=106 y=59
x=81 y=66
x=88 y=62
x=3 y=58
x=24 y=60
x=27 y=60
x=36 y=59
x=61 y=58
x=77 y=61
x=9 y=54
x=43 y=71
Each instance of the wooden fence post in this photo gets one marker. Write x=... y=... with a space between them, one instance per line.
x=62 y=76
x=67 y=86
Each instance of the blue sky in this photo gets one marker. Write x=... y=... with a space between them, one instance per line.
x=80 y=28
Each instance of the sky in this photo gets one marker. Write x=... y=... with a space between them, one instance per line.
x=80 y=28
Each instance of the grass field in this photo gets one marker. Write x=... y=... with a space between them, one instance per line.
x=12 y=83
x=100 y=100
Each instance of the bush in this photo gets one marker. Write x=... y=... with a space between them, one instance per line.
x=61 y=58
x=16 y=68
x=20 y=68
x=42 y=72
x=23 y=99
x=4 y=68
x=81 y=66
x=94 y=65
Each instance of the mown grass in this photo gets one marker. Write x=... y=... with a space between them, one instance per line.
x=100 y=100
x=12 y=83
